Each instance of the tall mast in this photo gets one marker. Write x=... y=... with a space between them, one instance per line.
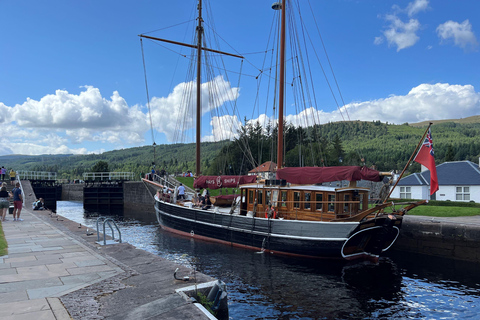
x=199 y=48
x=281 y=89
x=199 y=83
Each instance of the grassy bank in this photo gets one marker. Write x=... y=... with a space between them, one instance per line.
x=436 y=208
x=3 y=243
x=444 y=211
x=188 y=181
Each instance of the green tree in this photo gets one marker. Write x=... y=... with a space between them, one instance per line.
x=100 y=166
x=450 y=154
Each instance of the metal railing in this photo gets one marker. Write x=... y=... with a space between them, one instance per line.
x=36 y=175
x=107 y=176
x=107 y=221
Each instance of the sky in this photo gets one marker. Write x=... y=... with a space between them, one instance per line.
x=72 y=77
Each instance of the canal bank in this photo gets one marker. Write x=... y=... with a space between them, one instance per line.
x=56 y=270
x=454 y=238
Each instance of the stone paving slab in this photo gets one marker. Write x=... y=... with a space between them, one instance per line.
x=54 y=270
x=45 y=263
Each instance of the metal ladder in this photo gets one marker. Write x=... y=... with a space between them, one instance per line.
x=108 y=221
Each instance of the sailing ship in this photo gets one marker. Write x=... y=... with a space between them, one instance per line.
x=293 y=214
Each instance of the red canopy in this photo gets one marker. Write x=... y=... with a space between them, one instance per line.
x=217 y=182
x=312 y=175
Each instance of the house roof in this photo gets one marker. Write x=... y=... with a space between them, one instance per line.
x=268 y=166
x=448 y=174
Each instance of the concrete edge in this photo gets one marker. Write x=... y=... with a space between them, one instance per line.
x=58 y=309
x=205 y=285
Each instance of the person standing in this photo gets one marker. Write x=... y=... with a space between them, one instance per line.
x=3 y=171
x=4 y=204
x=181 y=192
x=13 y=175
x=17 y=202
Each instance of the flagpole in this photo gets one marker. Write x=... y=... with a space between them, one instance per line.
x=408 y=163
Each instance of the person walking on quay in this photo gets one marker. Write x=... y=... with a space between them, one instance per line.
x=17 y=202
x=13 y=175
x=4 y=203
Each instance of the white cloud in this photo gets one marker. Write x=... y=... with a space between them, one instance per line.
x=87 y=114
x=173 y=115
x=422 y=103
x=461 y=33
x=401 y=34
x=378 y=40
x=417 y=6
x=223 y=128
x=59 y=121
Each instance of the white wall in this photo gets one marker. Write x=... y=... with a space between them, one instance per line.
x=449 y=193
x=443 y=193
x=418 y=192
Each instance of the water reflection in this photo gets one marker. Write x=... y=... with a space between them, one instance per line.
x=266 y=286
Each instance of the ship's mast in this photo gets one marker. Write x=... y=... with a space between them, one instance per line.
x=199 y=83
x=281 y=87
x=199 y=48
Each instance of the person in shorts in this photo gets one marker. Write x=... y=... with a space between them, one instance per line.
x=17 y=202
x=4 y=203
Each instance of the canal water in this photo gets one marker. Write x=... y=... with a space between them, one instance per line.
x=265 y=286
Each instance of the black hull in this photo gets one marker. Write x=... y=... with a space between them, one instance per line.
x=335 y=240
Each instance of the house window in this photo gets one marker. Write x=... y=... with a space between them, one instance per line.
x=319 y=200
x=462 y=193
x=405 y=192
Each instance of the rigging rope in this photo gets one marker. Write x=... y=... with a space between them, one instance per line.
x=148 y=96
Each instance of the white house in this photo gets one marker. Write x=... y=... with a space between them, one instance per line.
x=266 y=170
x=457 y=181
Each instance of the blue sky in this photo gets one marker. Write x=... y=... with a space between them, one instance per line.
x=72 y=79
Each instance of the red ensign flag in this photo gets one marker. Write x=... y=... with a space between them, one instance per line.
x=425 y=157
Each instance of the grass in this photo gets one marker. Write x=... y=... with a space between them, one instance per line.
x=188 y=181
x=443 y=211
x=3 y=243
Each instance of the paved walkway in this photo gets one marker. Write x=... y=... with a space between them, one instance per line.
x=55 y=270
x=42 y=264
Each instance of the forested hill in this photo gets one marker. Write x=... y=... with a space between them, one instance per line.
x=342 y=143
x=174 y=157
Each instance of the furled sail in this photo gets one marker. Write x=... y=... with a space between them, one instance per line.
x=312 y=175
